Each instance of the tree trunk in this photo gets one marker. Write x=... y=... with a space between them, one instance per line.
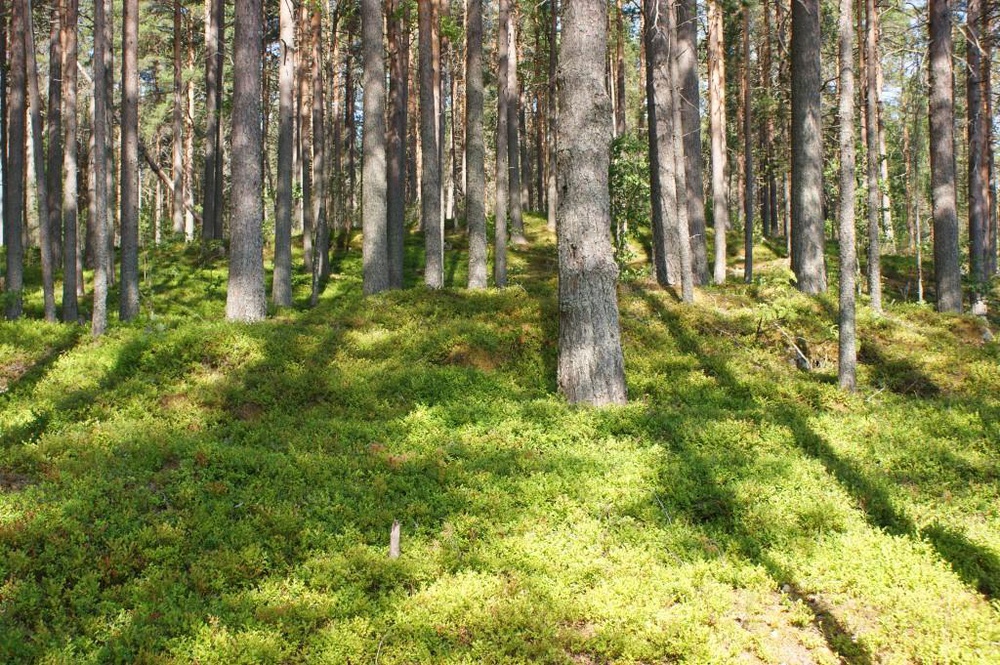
x=502 y=172
x=212 y=222
x=748 y=179
x=38 y=153
x=376 y=250
x=871 y=147
x=513 y=135
x=69 y=168
x=620 y=122
x=281 y=288
x=947 y=272
x=978 y=164
x=717 y=119
x=14 y=171
x=321 y=255
x=99 y=210
x=430 y=180
x=178 y=119
x=807 y=149
x=552 y=193
x=474 y=147
x=245 y=298
x=306 y=133
x=591 y=368
x=399 y=64
x=53 y=134
x=687 y=56
x=847 y=353
x=128 y=306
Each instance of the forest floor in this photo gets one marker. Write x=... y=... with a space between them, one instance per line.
x=186 y=490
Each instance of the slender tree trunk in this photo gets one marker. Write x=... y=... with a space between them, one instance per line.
x=69 y=168
x=748 y=188
x=687 y=276
x=687 y=56
x=991 y=250
x=321 y=265
x=53 y=134
x=376 y=250
x=717 y=118
x=591 y=368
x=883 y=159
x=847 y=366
x=189 y=216
x=14 y=171
x=399 y=52
x=38 y=153
x=99 y=210
x=553 y=116
x=306 y=136
x=245 y=298
x=871 y=138
x=430 y=181
x=213 y=83
x=178 y=119
x=807 y=149
x=474 y=147
x=978 y=149
x=620 y=97
x=281 y=288
x=947 y=273
x=513 y=135
x=502 y=153
x=128 y=306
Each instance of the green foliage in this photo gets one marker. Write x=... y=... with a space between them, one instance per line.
x=630 y=201
x=186 y=490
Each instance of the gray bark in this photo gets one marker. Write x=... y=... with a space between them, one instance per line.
x=430 y=181
x=245 y=298
x=978 y=149
x=178 y=129
x=947 y=273
x=212 y=217
x=502 y=173
x=717 y=118
x=687 y=57
x=321 y=266
x=591 y=368
x=551 y=194
x=53 y=135
x=807 y=149
x=99 y=210
x=128 y=306
x=513 y=135
x=13 y=194
x=748 y=163
x=281 y=288
x=69 y=168
x=847 y=365
x=872 y=149
x=399 y=45
x=373 y=204
x=474 y=147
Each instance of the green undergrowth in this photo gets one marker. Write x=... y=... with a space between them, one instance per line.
x=187 y=490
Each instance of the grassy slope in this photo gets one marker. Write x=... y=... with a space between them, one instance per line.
x=186 y=490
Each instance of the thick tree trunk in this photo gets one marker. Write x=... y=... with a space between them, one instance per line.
x=69 y=168
x=978 y=163
x=128 y=305
x=14 y=171
x=245 y=298
x=38 y=154
x=871 y=147
x=399 y=64
x=591 y=368
x=430 y=181
x=281 y=288
x=513 y=135
x=807 y=149
x=687 y=57
x=717 y=119
x=947 y=272
x=502 y=172
x=376 y=250
x=475 y=148
x=847 y=355
x=321 y=265
x=99 y=210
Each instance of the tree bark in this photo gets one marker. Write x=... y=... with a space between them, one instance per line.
x=513 y=135
x=475 y=148
x=430 y=181
x=321 y=254
x=245 y=298
x=53 y=134
x=687 y=56
x=281 y=288
x=212 y=217
x=591 y=368
x=306 y=133
x=807 y=149
x=947 y=272
x=748 y=165
x=38 y=153
x=14 y=171
x=502 y=172
x=128 y=306
x=717 y=119
x=178 y=138
x=69 y=167
x=376 y=250
x=99 y=210
x=978 y=149
x=847 y=351
x=872 y=149
x=399 y=64
x=552 y=193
